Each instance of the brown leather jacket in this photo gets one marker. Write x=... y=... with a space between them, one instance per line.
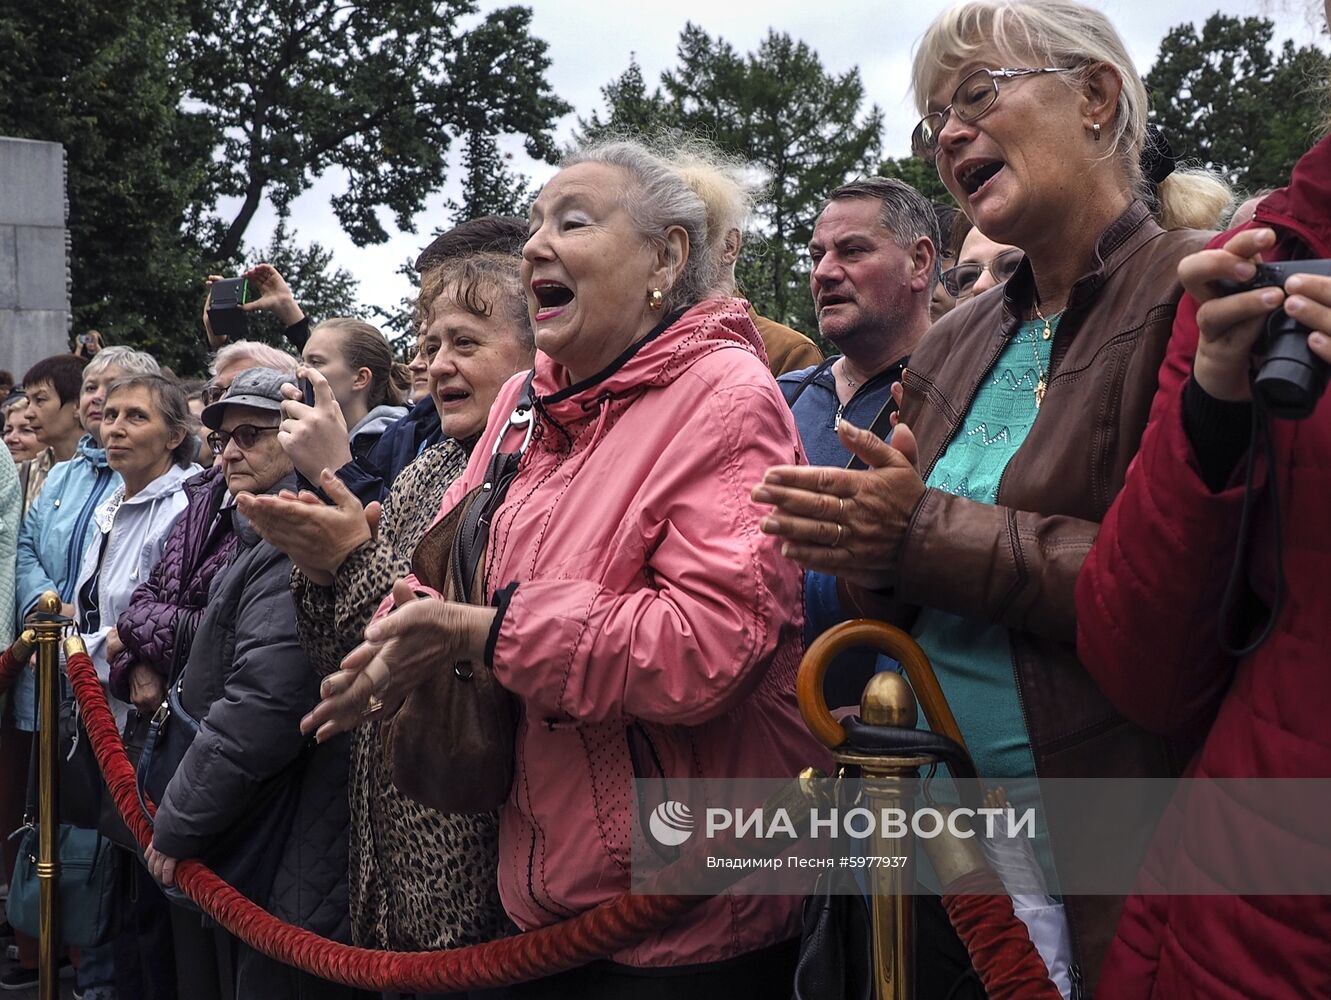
x=1016 y=562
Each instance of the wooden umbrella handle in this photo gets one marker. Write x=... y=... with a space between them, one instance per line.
x=886 y=639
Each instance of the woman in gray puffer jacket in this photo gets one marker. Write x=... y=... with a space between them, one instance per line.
x=250 y=794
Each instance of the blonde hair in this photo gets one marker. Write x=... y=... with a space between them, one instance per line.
x=1072 y=35
x=725 y=192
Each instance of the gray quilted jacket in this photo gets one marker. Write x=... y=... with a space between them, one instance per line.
x=249 y=683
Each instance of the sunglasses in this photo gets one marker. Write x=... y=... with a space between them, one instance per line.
x=959 y=280
x=246 y=436
x=211 y=393
x=970 y=102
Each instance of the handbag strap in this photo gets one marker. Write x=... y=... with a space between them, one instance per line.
x=808 y=379
x=473 y=534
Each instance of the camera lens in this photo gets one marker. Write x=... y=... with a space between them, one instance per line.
x=1291 y=378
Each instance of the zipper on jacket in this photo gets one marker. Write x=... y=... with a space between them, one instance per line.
x=75 y=549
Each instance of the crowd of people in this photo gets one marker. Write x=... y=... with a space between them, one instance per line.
x=397 y=640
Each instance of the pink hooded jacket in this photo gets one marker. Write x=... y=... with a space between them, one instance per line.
x=636 y=587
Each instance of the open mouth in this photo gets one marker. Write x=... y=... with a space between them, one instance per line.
x=551 y=298
x=447 y=396
x=832 y=300
x=975 y=175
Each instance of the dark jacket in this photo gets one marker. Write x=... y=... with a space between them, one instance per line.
x=167 y=606
x=1148 y=603
x=248 y=682
x=371 y=476
x=1016 y=561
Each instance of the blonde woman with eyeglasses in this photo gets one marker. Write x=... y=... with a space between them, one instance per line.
x=1023 y=407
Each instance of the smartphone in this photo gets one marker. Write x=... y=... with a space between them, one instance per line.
x=86 y=339
x=306 y=391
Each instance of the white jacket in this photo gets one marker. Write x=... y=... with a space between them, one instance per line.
x=127 y=544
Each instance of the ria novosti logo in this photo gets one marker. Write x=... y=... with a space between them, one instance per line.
x=671 y=823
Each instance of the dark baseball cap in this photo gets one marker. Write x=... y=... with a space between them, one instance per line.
x=257 y=388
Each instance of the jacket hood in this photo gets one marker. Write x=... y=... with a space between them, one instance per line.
x=658 y=359
x=93 y=452
x=1301 y=207
x=167 y=483
x=377 y=420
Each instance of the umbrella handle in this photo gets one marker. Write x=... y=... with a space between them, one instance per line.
x=886 y=639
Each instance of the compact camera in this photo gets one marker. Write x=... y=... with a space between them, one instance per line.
x=224 y=313
x=1291 y=378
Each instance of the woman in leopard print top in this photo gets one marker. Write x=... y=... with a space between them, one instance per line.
x=420 y=879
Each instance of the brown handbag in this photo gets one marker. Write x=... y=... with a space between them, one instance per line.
x=450 y=746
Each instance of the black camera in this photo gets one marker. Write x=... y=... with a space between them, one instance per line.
x=224 y=313
x=1291 y=378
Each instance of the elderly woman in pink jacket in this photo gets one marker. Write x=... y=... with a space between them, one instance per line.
x=638 y=613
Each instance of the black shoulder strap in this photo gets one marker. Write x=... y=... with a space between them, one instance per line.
x=881 y=427
x=808 y=379
x=474 y=532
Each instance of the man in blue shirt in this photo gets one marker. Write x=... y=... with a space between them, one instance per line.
x=875 y=262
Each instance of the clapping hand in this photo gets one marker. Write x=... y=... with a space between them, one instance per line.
x=317 y=537
x=400 y=652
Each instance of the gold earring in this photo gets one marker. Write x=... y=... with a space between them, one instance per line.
x=656 y=301
x=1095 y=130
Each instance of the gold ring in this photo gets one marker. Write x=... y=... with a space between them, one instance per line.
x=373 y=707
x=839 y=530
x=841 y=508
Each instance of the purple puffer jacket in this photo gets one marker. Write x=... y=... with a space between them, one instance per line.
x=168 y=605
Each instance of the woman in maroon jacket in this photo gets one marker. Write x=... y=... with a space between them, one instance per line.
x=1151 y=606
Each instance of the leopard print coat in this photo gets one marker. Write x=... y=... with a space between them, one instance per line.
x=419 y=879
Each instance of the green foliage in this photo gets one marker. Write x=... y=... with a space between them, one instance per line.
x=1227 y=99
x=295 y=88
x=100 y=79
x=630 y=109
x=489 y=185
x=778 y=108
x=919 y=174
x=165 y=108
x=322 y=289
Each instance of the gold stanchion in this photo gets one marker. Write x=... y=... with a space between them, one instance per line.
x=49 y=626
x=889 y=780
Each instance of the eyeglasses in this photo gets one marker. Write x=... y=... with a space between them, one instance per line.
x=212 y=392
x=246 y=435
x=959 y=280
x=970 y=102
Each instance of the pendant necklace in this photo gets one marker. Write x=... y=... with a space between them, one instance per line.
x=841 y=407
x=1042 y=384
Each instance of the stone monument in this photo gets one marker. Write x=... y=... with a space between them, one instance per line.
x=34 y=253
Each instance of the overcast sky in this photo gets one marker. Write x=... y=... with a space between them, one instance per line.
x=591 y=41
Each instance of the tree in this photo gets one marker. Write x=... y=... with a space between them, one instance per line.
x=1224 y=98
x=321 y=289
x=101 y=78
x=919 y=174
x=777 y=108
x=295 y=88
x=489 y=185
x=631 y=110
x=165 y=108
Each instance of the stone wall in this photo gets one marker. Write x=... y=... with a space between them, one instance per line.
x=34 y=253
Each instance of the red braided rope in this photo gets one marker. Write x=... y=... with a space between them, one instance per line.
x=615 y=924
x=1000 y=947
x=10 y=667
